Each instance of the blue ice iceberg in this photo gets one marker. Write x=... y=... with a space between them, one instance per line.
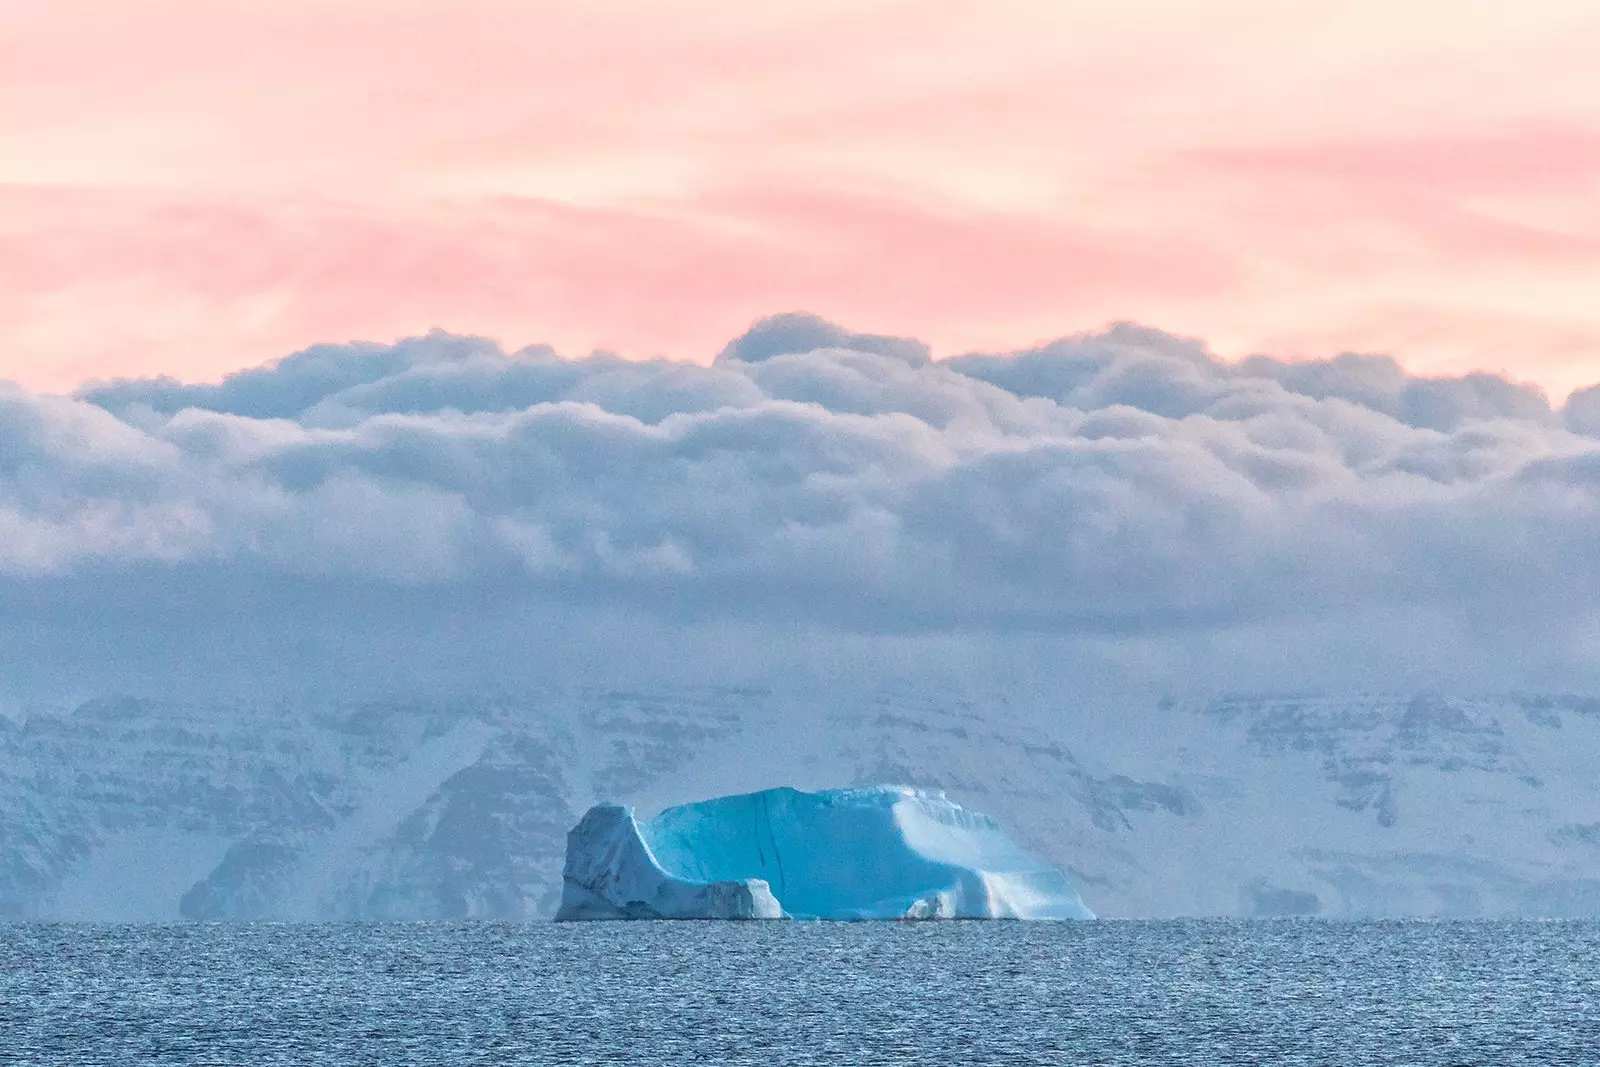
x=882 y=852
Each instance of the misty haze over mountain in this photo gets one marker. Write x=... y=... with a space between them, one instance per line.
x=360 y=632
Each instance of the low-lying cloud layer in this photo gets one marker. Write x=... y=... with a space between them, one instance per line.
x=1121 y=489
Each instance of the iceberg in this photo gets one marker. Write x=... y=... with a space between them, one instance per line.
x=879 y=852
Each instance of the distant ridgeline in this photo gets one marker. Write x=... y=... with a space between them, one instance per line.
x=1422 y=806
x=881 y=852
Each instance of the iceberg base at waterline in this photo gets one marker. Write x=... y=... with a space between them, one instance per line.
x=878 y=852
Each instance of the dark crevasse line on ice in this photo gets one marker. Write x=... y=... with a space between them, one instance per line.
x=772 y=839
x=762 y=807
x=756 y=806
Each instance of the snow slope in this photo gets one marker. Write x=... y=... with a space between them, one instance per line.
x=1325 y=805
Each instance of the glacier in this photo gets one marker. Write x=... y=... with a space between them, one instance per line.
x=876 y=852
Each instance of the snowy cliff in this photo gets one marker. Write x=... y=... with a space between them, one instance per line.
x=879 y=852
x=1329 y=805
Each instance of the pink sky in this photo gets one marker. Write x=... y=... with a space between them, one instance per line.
x=192 y=186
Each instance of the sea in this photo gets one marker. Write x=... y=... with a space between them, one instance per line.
x=709 y=993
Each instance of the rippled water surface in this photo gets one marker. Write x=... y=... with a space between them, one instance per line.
x=715 y=993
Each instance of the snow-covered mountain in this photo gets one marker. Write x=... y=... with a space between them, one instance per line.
x=132 y=809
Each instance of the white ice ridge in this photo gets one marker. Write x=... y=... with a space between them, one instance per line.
x=879 y=852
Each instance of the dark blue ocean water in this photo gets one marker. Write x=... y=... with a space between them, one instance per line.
x=780 y=993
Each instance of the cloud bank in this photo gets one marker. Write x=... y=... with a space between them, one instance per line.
x=1122 y=491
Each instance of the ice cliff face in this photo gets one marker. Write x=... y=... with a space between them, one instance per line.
x=123 y=809
x=611 y=873
x=869 y=853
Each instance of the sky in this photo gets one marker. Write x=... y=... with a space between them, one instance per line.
x=1147 y=347
x=191 y=187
